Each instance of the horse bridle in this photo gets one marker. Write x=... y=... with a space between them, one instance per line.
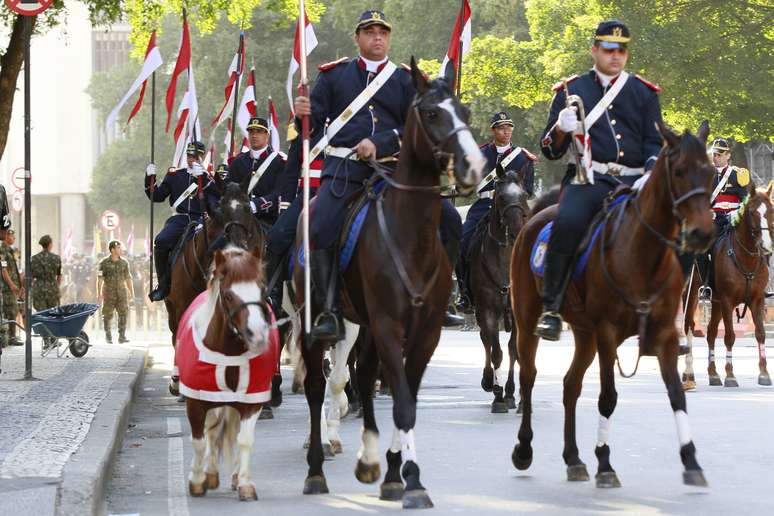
x=503 y=211
x=230 y=314
x=228 y=229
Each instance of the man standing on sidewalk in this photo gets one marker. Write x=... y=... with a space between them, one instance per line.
x=114 y=285
x=12 y=289
x=46 y=270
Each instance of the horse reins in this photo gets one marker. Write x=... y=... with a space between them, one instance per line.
x=749 y=276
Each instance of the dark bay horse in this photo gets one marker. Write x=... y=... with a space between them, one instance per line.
x=741 y=273
x=631 y=286
x=230 y=323
x=399 y=292
x=490 y=255
x=190 y=273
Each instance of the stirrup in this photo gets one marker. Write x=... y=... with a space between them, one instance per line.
x=549 y=326
x=705 y=293
x=338 y=332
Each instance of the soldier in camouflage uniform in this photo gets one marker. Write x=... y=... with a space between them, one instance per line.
x=12 y=289
x=46 y=270
x=114 y=286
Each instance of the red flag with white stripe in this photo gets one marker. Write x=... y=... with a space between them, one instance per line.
x=152 y=62
x=274 y=137
x=295 y=59
x=188 y=127
x=462 y=33
x=234 y=76
x=183 y=63
x=247 y=106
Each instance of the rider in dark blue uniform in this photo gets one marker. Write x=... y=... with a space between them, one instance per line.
x=497 y=151
x=181 y=188
x=373 y=132
x=625 y=144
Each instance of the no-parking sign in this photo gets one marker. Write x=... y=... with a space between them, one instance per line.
x=109 y=220
x=28 y=7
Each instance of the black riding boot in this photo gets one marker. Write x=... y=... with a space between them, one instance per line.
x=160 y=259
x=328 y=325
x=452 y=248
x=705 y=272
x=275 y=277
x=555 y=280
x=464 y=304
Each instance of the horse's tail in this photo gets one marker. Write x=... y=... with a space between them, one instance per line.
x=549 y=198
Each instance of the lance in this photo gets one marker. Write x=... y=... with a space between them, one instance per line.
x=460 y=49
x=301 y=27
x=153 y=178
x=235 y=96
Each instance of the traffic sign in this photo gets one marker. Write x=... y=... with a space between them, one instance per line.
x=17 y=178
x=17 y=201
x=110 y=220
x=28 y=7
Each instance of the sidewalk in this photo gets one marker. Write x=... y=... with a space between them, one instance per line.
x=58 y=433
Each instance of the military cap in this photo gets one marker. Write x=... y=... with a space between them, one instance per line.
x=258 y=123
x=196 y=148
x=719 y=146
x=372 y=17
x=499 y=119
x=222 y=170
x=612 y=34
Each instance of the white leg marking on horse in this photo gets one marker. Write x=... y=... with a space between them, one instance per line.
x=762 y=350
x=603 y=431
x=729 y=357
x=408 y=448
x=689 y=356
x=245 y=439
x=711 y=356
x=683 y=427
x=369 y=449
x=197 y=464
x=501 y=376
x=177 y=497
x=395 y=445
x=766 y=244
x=469 y=146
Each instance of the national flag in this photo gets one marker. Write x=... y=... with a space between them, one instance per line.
x=274 y=137
x=188 y=117
x=295 y=59
x=462 y=33
x=247 y=106
x=68 y=249
x=234 y=77
x=152 y=62
x=209 y=157
x=183 y=63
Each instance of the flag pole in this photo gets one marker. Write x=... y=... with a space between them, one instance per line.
x=240 y=65
x=301 y=28
x=153 y=178
x=460 y=49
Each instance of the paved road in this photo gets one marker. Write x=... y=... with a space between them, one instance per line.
x=464 y=451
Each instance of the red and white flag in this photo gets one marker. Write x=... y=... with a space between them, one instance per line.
x=188 y=127
x=462 y=34
x=152 y=62
x=274 y=137
x=68 y=249
x=247 y=106
x=130 y=242
x=183 y=63
x=295 y=60
x=234 y=77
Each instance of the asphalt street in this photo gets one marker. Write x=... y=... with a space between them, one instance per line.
x=464 y=450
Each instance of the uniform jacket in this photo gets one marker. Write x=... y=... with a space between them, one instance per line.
x=244 y=165
x=8 y=263
x=114 y=275
x=175 y=183
x=734 y=191
x=523 y=158
x=625 y=134
x=45 y=268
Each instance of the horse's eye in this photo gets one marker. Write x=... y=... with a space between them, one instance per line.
x=432 y=114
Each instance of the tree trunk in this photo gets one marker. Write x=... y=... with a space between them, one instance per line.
x=10 y=65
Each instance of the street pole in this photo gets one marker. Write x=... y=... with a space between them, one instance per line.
x=27 y=203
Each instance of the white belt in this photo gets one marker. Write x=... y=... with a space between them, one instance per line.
x=347 y=153
x=614 y=169
x=725 y=205
x=489 y=194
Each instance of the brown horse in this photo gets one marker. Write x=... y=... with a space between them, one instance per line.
x=230 y=355
x=630 y=286
x=399 y=291
x=190 y=272
x=741 y=273
x=490 y=253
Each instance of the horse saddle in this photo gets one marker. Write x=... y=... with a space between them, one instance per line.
x=613 y=208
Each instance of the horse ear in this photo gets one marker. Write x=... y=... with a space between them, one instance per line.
x=770 y=189
x=418 y=78
x=669 y=137
x=703 y=133
x=219 y=259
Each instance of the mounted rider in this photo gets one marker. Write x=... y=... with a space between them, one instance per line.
x=620 y=125
x=366 y=101
x=188 y=204
x=264 y=166
x=500 y=151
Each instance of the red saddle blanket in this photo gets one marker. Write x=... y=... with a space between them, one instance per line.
x=203 y=371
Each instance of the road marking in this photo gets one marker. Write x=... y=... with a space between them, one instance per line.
x=177 y=498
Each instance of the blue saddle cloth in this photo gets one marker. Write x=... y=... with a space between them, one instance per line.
x=539 y=248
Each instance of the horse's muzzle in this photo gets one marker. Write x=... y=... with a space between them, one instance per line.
x=699 y=241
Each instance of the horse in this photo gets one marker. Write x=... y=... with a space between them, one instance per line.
x=233 y=218
x=402 y=316
x=490 y=252
x=741 y=273
x=228 y=356
x=630 y=286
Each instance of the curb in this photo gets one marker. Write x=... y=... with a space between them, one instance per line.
x=84 y=478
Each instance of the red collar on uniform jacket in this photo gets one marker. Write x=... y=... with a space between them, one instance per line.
x=362 y=65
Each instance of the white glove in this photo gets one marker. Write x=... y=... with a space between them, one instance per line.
x=150 y=170
x=197 y=170
x=568 y=119
x=253 y=208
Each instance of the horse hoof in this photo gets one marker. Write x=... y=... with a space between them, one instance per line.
x=297 y=388
x=315 y=485
x=276 y=399
x=511 y=402
x=715 y=381
x=354 y=407
x=337 y=447
x=499 y=407
x=577 y=473
x=730 y=382
x=234 y=482
x=608 y=479
x=487 y=380
x=391 y=491
x=367 y=473
x=247 y=493
x=328 y=452
x=520 y=463
x=764 y=379
x=694 y=478
x=689 y=385
x=417 y=499
x=266 y=413
x=211 y=480
x=174 y=388
x=197 y=489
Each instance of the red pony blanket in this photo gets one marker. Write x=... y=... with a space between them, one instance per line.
x=203 y=371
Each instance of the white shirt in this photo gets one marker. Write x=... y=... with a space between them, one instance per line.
x=373 y=66
x=504 y=148
x=255 y=154
x=604 y=78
